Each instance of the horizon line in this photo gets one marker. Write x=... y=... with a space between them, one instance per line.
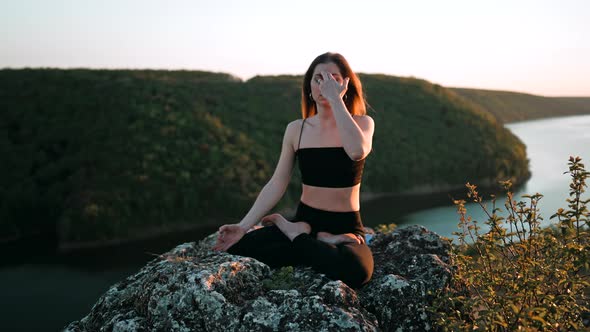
x=244 y=80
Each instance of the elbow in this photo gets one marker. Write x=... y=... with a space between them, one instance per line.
x=360 y=150
x=358 y=154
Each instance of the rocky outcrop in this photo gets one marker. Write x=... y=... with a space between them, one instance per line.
x=192 y=288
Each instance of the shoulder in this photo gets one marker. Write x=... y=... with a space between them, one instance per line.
x=296 y=123
x=294 y=126
x=292 y=132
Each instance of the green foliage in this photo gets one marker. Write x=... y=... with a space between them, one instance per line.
x=383 y=228
x=104 y=154
x=576 y=216
x=282 y=279
x=512 y=106
x=517 y=275
x=426 y=135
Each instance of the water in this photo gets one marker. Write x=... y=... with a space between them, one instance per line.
x=549 y=143
x=44 y=293
x=45 y=297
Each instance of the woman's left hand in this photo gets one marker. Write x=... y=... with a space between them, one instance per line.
x=228 y=236
x=332 y=89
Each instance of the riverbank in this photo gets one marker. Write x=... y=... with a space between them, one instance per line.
x=374 y=206
x=140 y=248
x=170 y=145
x=550 y=143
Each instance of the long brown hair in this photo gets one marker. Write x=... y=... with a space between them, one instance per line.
x=353 y=99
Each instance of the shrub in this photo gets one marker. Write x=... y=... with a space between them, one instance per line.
x=517 y=275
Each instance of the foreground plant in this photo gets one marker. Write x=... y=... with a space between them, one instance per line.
x=515 y=275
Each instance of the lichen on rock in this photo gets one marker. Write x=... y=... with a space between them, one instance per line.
x=192 y=288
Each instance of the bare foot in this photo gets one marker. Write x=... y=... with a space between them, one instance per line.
x=290 y=229
x=338 y=238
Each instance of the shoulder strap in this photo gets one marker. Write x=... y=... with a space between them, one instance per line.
x=301 y=132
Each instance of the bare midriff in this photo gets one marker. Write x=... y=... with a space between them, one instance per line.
x=332 y=199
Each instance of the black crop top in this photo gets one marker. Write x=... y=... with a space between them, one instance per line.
x=328 y=166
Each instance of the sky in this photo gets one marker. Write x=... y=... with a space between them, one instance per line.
x=540 y=47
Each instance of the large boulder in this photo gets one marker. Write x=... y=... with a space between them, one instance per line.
x=192 y=288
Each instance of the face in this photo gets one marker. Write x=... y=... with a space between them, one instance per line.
x=317 y=77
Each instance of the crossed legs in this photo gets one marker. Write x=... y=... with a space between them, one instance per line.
x=290 y=243
x=293 y=229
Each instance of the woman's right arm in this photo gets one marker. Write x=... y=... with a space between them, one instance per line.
x=270 y=194
x=274 y=190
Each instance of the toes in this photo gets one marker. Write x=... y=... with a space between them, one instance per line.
x=267 y=220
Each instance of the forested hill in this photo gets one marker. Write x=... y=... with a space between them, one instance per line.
x=103 y=154
x=512 y=106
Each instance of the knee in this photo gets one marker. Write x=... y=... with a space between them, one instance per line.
x=358 y=274
x=361 y=276
x=360 y=267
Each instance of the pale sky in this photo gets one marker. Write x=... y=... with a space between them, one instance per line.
x=540 y=47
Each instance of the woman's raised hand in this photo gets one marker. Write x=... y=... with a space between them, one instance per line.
x=330 y=88
x=228 y=236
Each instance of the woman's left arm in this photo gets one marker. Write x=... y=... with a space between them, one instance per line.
x=356 y=133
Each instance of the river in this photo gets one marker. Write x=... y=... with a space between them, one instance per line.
x=46 y=292
x=549 y=144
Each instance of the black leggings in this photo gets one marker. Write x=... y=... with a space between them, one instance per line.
x=352 y=263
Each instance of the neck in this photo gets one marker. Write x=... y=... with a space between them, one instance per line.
x=326 y=116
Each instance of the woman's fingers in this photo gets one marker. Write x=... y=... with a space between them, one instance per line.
x=266 y=220
x=329 y=87
x=327 y=76
x=217 y=246
x=226 y=245
x=229 y=234
x=220 y=245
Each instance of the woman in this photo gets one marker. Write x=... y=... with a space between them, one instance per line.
x=327 y=232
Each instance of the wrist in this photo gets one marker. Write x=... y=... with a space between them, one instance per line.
x=244 y=226
x=335 y=99
x=332 y=99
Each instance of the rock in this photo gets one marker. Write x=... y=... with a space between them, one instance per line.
x=192 y=288
x=410 y=264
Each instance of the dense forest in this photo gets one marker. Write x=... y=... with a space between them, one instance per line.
x=509 y=106
x=105 y=154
